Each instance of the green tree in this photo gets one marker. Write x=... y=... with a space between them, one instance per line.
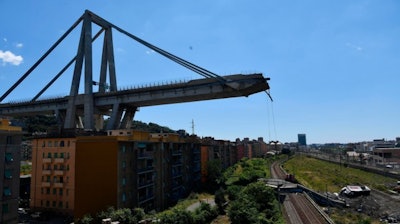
x=204 y=214
x=233 y=191
x=220 y=200
x=123 y=215
x=176 y=216
x=214 y=174
x=238 y=213
x=262 y=195
x=87 y=219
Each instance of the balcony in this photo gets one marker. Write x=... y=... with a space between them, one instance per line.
x=58 y=172
x=145 y=155
x=145 y=198
x=176 y=152
x=59 y=160
x=46 y=172
x=46 y=160
x=145 y=170
x=145 y=184
x=45 y=184
x=58 y=185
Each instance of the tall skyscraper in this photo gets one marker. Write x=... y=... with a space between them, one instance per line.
x=301 y=138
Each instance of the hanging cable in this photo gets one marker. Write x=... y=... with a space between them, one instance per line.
x=199 y=70
x=273 y=120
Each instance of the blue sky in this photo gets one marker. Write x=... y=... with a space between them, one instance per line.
x=334 y=65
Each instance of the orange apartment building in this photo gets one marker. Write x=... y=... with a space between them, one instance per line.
x=222 y=150
x=126 y=168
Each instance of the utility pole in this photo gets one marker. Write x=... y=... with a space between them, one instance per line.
x=192 y=127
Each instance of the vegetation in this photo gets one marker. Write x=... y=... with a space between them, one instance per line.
x=26 y=169
x=317 y=174
x=247 y=171
x=124 y=215
x=41 y=123
x=150 y=127
x=261 y=205
x=203 y=214
x=242 y=188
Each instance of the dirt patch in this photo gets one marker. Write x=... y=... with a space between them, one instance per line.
x=377 y=205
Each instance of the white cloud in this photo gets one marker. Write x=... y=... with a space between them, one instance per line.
x=9 y=57
x=5 y=39
x=355 y=47
x=19 y=45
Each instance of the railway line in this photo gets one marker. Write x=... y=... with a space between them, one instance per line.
x=297 y=208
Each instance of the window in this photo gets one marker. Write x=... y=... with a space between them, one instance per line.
x=54 y=204
x=47 y=203
x=49 y=144
x=47 y=190
x=55 y=143
x=123 y=149
x=54 y=191
x=61 y=143
x=8 y=140
x=6 y=191
x=123 y=181
x=9 y=157
x=49 y=155
x=62 y=155
x=60 y=204
x=123 y=164
x=48 y=179
x=8 y=174
x=123 y=197
x=60 y=192
x=55 y=167
x=55 y=155
x=5 y=208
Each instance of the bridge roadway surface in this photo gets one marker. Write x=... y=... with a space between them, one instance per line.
x=194 y=90
x=297 y=208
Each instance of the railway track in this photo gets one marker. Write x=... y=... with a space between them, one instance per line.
x=297 y=208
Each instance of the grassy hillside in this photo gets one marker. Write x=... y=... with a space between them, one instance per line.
x=321 y=176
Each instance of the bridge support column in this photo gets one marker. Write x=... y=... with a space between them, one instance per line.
x=126 y=122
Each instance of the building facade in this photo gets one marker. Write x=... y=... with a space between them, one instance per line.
x=124 y=169
x=10 y=146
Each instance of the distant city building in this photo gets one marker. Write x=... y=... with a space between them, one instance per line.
x=387 y=156
x=10 y=151
x=301 y=138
